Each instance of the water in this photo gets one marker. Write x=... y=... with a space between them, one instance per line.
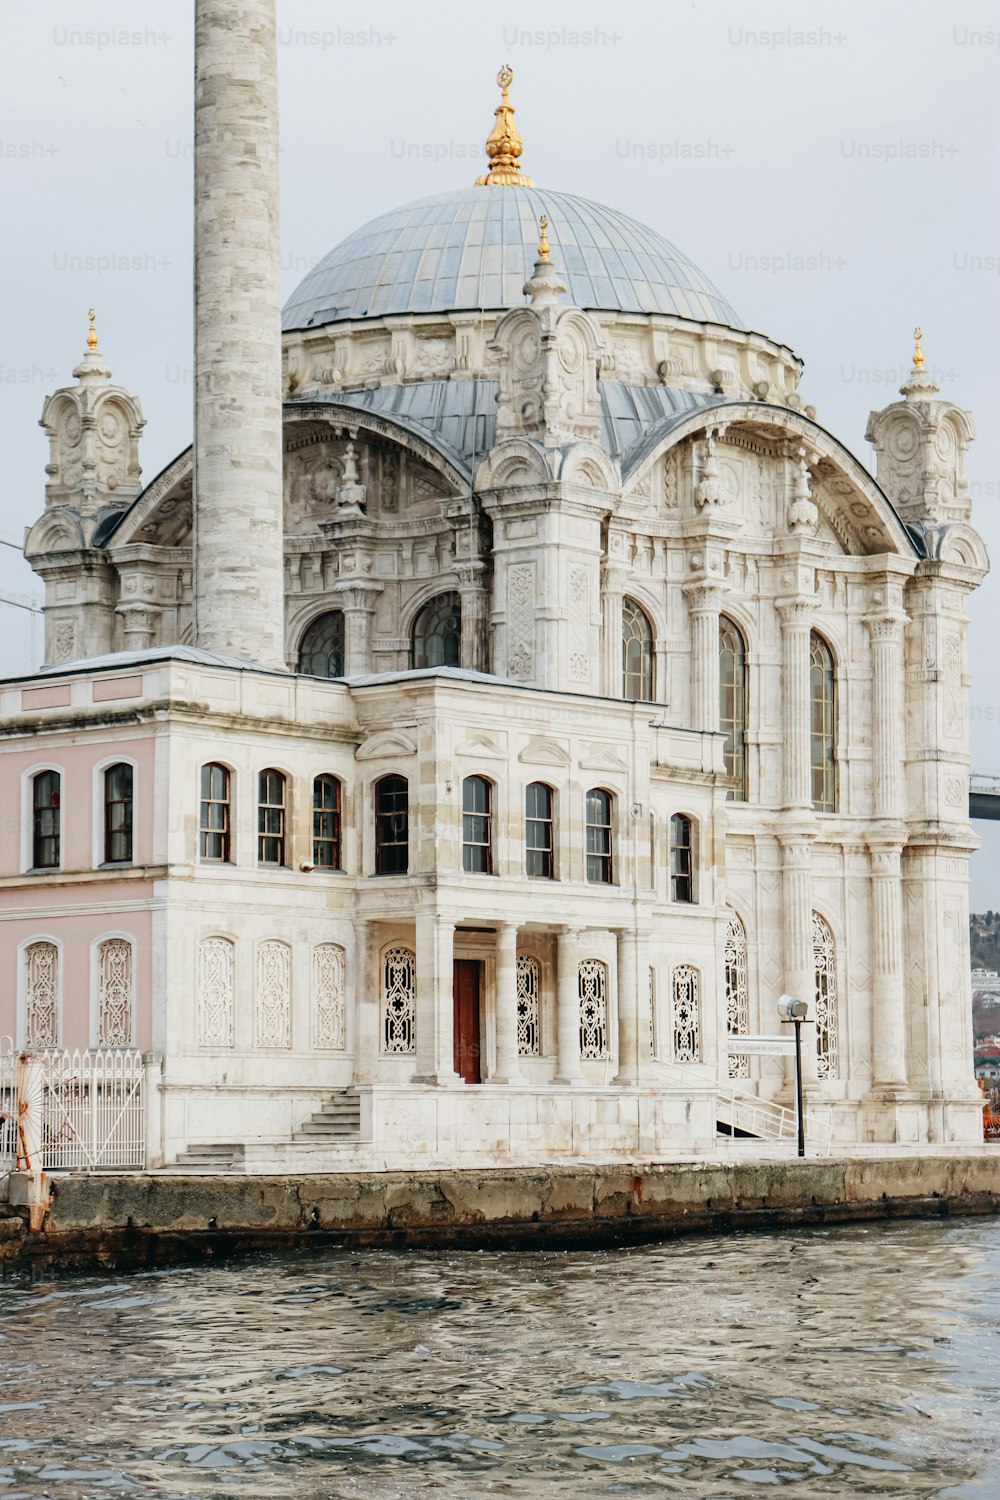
x=847 y=1362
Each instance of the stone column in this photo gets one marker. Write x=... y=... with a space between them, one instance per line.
x=568 y=1006
x=633 y=1007
x=238 y=518
x=886 y=635
x=799 y=963
x=888 y=981
x=508 y=1069
x=435 y=1017
x=613 y=581
x=357 y=597
x=796 y=625
x=472 y=589
x=138 y=625
x=367 y=1002
x=704 y=603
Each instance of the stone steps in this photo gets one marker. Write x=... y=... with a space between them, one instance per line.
x=210 y=1158
x=338 y=1119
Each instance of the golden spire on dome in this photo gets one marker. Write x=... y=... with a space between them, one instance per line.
x=92 y=334
x=504 y=144
x=544 y=248
x=918 y=353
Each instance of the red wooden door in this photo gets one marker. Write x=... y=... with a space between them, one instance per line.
x=466 y=992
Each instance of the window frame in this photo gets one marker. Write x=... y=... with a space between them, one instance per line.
x=437 y=602
x=381 y=819
x=108 y=833
x=335 y=839
x=225 y=833
x=35 y=836
x=824 y=766
x=314 y=623
x=734 y=726
x=682 y=859
x=605 y=855
x=277 y=833
x=549 y=823
x=477 y=821
x=647 y=667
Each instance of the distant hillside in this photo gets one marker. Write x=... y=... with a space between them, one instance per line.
x=984 y=939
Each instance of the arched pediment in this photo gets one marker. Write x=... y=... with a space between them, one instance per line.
x=544 y=752
x=59 y=530
x=518 y=461
x=388 y=744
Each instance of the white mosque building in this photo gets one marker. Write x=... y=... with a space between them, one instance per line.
x=511 y=693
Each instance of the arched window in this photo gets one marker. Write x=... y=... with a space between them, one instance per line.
x=270 y=818
x=823 y=725
x=827 y=1027
x=733 y=706
x=637 y=653
x=687 y=1014
x=593 y=986
x=399 y=1000
x=45 y=815
x=437 y=633
x=321 y=653
x=529 y=985
x=477 y=825
x=214 y=819
x=41 y=995
x=118 y=814
x=114 y=993
x=600 y=851
x=392 y=826
x=539 y=861
x=326 y=823
x=681 y=858
x=737 y=993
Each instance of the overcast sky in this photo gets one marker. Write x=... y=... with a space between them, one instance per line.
x=831 y=167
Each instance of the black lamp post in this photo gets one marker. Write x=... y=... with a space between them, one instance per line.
x=794 y=1011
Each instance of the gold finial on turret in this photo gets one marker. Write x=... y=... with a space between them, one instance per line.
x=918 y=353
x=504 y=144
x=92 y=334
x=544 y=248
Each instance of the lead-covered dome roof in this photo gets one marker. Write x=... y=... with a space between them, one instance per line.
x=475 y=248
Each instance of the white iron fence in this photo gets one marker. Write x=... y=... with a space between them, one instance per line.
x=739 y=1110
x=82 y=1111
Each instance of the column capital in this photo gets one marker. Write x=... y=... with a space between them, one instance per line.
x=885 y=627
x=796 y=613
x=705 y=595
x=470 y=574
x=357 y=593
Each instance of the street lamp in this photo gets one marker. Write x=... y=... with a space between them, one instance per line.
x=794 y=1012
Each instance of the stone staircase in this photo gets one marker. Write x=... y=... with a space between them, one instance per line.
x=336 y=1125
x=210 y=1158
x=338 y=1119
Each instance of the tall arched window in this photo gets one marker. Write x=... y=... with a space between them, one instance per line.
x=733 y=706
x=326 y=823
x=271 y=821
x=538 y=843
x=827 y=1019
x=681 y=858
x=214 y=817
x=637 y=653
x=392 y=826
x=46 y=793
x=118 y=814
x=737 y=993
x=321 y=652
x=600 y=852
x=437 y=633
x=477 y=825
x=823 y=725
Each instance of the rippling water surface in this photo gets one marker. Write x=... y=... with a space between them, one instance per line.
x=856 y=1361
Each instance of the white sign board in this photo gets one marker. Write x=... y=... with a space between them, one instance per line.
x=760 y=1046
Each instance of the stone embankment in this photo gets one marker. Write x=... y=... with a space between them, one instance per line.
x=143 y=1219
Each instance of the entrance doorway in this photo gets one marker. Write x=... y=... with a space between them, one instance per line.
x=467 y=1045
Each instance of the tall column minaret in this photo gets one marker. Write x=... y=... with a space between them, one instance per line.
x=238 y=575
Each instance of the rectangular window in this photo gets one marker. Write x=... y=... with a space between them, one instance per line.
x=214 y=823
x=118 y=814
x=599 y=850
x=392 y=826
x=271 y=818
x=477 y=826
x=538 y=842
x=45 y=803
x=681 y=859
x=326 y=823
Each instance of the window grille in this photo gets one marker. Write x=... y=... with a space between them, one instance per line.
x=687 y=1014
x=737 y=993
x=273 y=1010
x=528 y=992
x=593 y=985
x=41 y=996
x=329 y=1018
x=215 y=992
x=114 y=993
x=827 y=1016
x=399 y=1001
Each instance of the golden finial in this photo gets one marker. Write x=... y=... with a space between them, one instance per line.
x=918 y=353
x=92 y=335
x=544 y=248
x=504 y=144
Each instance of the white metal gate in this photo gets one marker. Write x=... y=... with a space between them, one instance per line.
x=82 y=1111
x=8 y=1105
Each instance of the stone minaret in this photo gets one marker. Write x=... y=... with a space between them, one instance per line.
x=239 y=588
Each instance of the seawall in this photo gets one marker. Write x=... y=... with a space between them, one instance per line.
x=143 y=1219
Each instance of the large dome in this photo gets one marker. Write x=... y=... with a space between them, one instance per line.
x=475 y=248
